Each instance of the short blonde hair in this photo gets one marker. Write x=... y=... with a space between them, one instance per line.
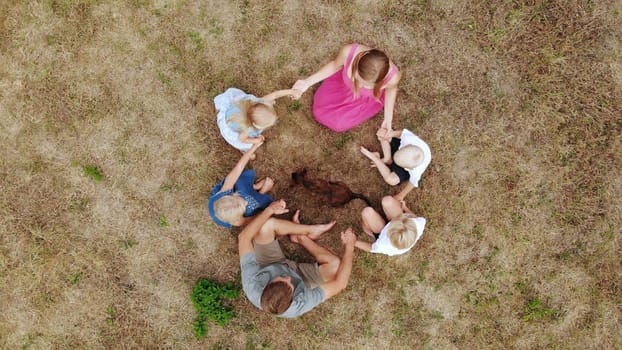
x=230 y=208
x=259 y=115
x=402 y=232
x=408 y=157
x=262 y=116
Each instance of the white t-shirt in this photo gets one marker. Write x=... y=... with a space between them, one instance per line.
x=383 y=244
x=408 y=138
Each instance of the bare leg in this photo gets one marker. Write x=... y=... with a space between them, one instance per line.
x=371 y=221
x=391 y=207
x=278 y=227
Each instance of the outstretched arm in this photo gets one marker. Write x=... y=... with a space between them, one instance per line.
x=273 y=96
x=329 y=69
x=332 y=288
x=389 y=177
x=245 y=238
x=237 y=170
x=406 y=190
x=366 y=246
x=390 y=94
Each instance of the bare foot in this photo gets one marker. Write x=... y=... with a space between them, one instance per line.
x=296 y=217
x=317 y=230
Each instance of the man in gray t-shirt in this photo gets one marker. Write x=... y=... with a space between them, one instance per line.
x=281 y=286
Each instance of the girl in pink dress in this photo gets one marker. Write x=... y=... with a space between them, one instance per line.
x=356 y=85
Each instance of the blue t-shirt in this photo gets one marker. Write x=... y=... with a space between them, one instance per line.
x=244 y=186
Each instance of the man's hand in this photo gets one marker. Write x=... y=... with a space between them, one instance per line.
x=348 y=238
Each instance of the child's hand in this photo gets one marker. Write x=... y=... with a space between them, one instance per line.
x=295 y=94
x=301 y=85
x=369 y=154
x=256 y=145
x=386 y=124
x=348 y=238
x=384 y=134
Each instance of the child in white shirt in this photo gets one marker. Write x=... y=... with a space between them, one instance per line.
x=405 y=158
x=396 y=237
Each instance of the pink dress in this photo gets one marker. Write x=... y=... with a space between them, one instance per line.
x=334 y=103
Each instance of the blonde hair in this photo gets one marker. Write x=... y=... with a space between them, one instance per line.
x=408 y=157
x=259 y=115
x=402 y=232
x=371 y=65
x=230 y=208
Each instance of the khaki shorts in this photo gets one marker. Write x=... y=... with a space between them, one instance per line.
x=271 y=253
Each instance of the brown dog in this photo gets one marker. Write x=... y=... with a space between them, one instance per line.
x=335 y=194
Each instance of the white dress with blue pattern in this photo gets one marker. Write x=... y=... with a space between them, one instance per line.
x=227 y=105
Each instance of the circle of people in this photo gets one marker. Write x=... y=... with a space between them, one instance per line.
x=356 y=85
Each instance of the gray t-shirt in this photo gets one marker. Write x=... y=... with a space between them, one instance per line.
x=256 y=278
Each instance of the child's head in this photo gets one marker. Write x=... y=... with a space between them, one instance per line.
x=256 y=114
x=402 y=232
x=371 y=66
x=408 y=157
x=261 y=116
x=230 y=208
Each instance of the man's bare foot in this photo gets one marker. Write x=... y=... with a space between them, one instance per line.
x=316 y=230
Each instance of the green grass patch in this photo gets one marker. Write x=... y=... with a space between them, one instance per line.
x=75 y=278
x=93 y=172
x=164 y=221
x=208 y=297
x=535 y=310
x=112 y=315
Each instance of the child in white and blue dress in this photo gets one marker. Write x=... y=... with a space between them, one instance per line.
x=243 y=117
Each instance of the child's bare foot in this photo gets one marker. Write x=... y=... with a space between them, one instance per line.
x=317 y=230
x=296 y=219
x=267 y=185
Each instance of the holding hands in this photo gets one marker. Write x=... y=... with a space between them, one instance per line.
x=348 y=238
x=302 y=86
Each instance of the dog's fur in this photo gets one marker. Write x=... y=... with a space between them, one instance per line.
x=335 y=194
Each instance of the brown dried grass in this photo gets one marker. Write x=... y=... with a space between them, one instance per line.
x=521 y=103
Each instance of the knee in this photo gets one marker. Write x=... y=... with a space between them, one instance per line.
x=388 y=200
x=367 y=212
x=268 y=229
x=334 y=266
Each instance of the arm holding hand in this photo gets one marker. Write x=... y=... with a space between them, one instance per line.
x=237 y=170
x=332 y=288
x=273 y=96
x=390 y=94
x=406 y=190
x=329 y=69
x=366 y=246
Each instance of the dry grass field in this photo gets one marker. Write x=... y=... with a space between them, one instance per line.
x=109 y=148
